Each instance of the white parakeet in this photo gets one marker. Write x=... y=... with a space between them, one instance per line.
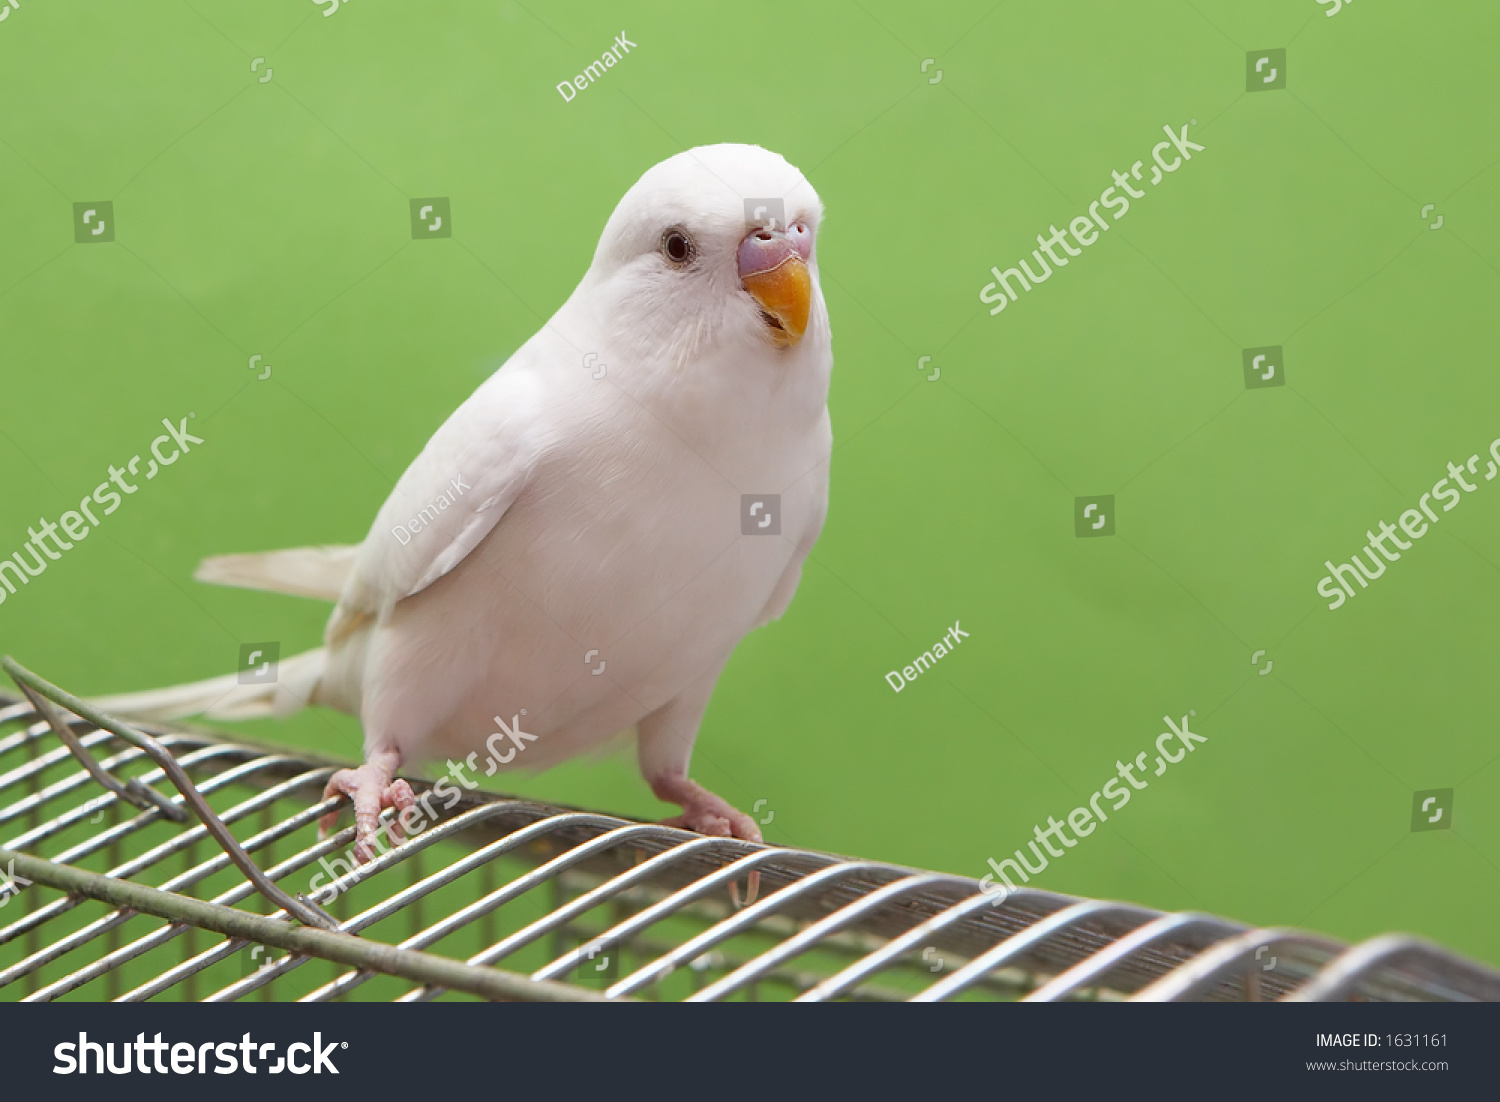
x=585 y=500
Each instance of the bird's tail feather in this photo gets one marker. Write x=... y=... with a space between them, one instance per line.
x=317 y=572
x=296 y=681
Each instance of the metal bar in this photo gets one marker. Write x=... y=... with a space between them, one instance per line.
x=11 y=714
x=132 y=792
x=657 y=911
x=802 y=981
x=186 y=879
x=306 y=912
x=443 y=877
x=735 y=923
x=815 y=933
x=405 y=849
x=357 y=952
x=1092 y=968
x=34 y=938
x=190 y=935
x=560 y=916
x=1344 y=976
x=42 y=796
x=37 y=763
x=841 y=983
x=815 y=924
x=27 y=736
x=110 y=837
x=233 y=775
x=244 y=890
x=422 y=938
x=72 y=815
x=1028 y=938
x=114 y=856
x=156 y=938
x=1225 y=960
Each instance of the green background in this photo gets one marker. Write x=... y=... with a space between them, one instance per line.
x=272 y=218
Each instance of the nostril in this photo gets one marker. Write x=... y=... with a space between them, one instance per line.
x=761 y=250
x=801 y=239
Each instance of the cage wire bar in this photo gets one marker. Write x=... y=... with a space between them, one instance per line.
x=115 y=886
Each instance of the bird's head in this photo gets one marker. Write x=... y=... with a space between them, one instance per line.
x=717 y=244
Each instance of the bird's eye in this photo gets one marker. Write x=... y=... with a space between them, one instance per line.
x=677 y=246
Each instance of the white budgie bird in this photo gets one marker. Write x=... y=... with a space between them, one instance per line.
x=586 y=498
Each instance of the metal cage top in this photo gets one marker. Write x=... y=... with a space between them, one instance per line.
x=168 y=861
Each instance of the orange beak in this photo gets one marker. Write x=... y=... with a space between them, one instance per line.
x=776 y=276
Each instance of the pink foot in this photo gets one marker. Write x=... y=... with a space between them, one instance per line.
x=706 y=813
x=372 y=787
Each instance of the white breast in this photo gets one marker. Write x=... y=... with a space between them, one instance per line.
x=626 y=550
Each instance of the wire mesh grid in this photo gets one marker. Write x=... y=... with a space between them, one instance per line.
x=115 y=893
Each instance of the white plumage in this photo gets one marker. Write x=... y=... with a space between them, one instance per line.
x=585 y=514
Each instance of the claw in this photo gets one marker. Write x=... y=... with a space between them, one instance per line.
x=706 y=813
x=752 y=888
x=372 y=788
